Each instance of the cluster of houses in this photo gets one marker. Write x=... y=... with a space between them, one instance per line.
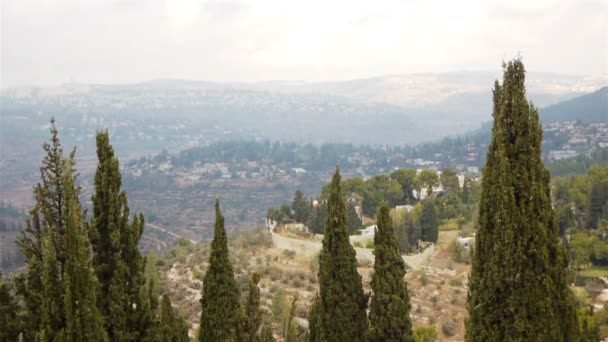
x=201 y=171
x=578 y=137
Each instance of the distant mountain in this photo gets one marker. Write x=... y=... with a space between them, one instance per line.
x=586 y=108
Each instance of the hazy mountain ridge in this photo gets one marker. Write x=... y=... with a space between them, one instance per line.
x=589 y=107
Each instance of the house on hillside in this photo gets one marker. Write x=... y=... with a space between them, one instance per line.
x=407 y=208
x=466 y=242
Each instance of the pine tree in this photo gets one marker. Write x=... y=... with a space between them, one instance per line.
x=389 y=314
x=253 y=314
x=83 y=320
x=300 y=207
x=118 y=263
x=10 y=325
x=449 y=180
x=428 y=221
x=221 y=311
x=517 y=288
x=343 y=302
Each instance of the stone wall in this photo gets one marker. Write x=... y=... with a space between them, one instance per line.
x=364 y=255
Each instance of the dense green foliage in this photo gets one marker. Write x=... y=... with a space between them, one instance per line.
x=43 y=246
x=253 y=314
x=84 y=321
x=117 y=260
x=171 y=326
x=425 y=333
x=429 y=224
x=221 y=315
x=517 y=286
x=61 y=290
x=389 y=315
x=342 y=305
x=10 y=324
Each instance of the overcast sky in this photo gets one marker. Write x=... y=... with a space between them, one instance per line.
x=116 y=41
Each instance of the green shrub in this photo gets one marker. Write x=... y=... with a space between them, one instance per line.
x=425 y=333
x=448 y=328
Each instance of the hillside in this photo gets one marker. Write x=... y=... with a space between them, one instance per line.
x=437 y=288
x=586 y=108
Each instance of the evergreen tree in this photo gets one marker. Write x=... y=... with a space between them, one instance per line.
x=343 y=302
x=429 y=225
x=449 y=180
x=152 y=280
x=290 y=325
x=253 y=314
x=300 y=207
x=118 y=263
x=352 y=219
x=314 y=320
x=407 y=179
x=517 y=288
x=83 y=320
x=46 y=218
x=172 y=326
x=10 y=325
x=389 y=314
x=221 y=311
x=51 y=311
x=465 y=195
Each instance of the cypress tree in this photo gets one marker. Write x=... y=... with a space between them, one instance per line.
x=290 y=325
x=253 y=314
x=83 y=320
x=517 y=288
x=10 y=325
x=389 y=314
x=45 y=218
x=172 y=326
x=343 y=303
x=314 y=320
x=118 y=263
x=51 y=312
x=428 y=221
x=152 y=280
x=221 y=310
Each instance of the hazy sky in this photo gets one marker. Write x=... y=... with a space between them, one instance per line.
x=111 y=41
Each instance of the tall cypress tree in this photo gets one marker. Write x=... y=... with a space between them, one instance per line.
x=428 y=221
x=46 y=218
x=253 y=314
x=221 y=310
x=118 y=263
x=389 y=314
x=172 y=326
x=343 y=303
x=83 y=319
x=517 y=288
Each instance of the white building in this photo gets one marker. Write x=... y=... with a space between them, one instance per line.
x=466 y=242
x=369 y=232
